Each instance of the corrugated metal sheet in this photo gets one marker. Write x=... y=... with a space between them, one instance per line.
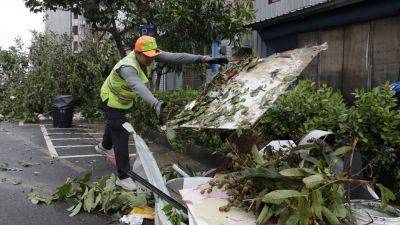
x=268 y=11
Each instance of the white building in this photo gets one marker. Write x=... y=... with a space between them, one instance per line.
x=72 y=24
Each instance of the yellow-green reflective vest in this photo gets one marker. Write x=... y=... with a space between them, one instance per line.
x=116 y=90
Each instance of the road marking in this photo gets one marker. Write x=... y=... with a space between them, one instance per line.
x=74 y=133
x=73 y=128
x=78 y=146
x=50 y=146
x=65 y=139
x=87 y=156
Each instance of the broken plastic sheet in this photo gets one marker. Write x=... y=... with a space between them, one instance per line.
x=243 y=100
x=153 y=173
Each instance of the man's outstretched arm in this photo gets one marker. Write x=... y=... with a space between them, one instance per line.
x=130 y=75
x=186 y=58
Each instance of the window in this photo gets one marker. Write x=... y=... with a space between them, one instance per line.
x=75 y=46
x=75 y=15
x=272 y=1
x=75 y=30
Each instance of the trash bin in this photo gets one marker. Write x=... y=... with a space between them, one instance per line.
x=62 y=110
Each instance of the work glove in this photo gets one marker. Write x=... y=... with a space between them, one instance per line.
x=216 y=60
x=158 y=107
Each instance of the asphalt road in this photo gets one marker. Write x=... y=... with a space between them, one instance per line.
x=23 y=146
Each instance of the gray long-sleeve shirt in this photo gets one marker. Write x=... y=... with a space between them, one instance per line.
x=130 y=75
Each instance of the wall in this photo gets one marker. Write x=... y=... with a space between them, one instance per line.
x=58 y=22
x=361 y=55
x=282 y=7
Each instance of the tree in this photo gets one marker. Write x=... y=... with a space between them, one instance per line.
x=183 y=25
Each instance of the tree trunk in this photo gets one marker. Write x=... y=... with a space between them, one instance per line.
x=118 y=40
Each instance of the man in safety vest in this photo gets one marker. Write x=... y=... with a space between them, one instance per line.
x=126 y=81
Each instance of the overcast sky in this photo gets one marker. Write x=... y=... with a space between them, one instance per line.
x=16 y=20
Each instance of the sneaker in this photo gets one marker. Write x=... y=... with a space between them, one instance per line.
x=101 y=150
x=126 y=184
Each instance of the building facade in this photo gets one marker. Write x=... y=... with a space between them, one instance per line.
x=363 y=38
x=72 y=24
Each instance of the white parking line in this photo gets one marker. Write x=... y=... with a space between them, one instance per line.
x=78 y=146
x=65 y=139
x=69 y=133
x=71 y=128
x=87 y=156
x=50 y=146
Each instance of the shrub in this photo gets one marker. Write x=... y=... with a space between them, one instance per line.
x=302 y=109
x=55 y=70
x=144 y=118
x=375 y=121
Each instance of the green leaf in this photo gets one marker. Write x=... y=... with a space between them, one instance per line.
x=330 y=217
x=170 y=134
x=84 y=193
x=311 y=160
x=256 y=155
x=264 y=216
x=168 y=208
x=342 y=150
x=110 y=183
x=316 y=203
x=71 y=208
x=88 y=202
x=313 y=180
x=98 y=200
x=309 y=171
x=293 y=220
x=106 y=200
x=76 y=209
x=36 y=199
x=303 y=147
x=293 y=172
x=386 y=195
x=63 y=191
x=83 y=181
x=279 y=195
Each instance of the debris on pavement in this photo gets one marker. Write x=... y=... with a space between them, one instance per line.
x=137 y=215
x=11 y=181
x=25 y=164
x=132 y=219
x=5 y=167
x=101 y=195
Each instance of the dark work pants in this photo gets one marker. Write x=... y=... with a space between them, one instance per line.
x=116 y=136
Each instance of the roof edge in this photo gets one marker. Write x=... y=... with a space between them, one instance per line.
x=320 y=8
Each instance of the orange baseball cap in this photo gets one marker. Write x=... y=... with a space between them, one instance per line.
x=147 y=45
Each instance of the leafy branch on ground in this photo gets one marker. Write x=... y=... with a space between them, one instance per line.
x=102 y=196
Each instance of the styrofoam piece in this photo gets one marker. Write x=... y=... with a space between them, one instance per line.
x=313 y=135
x=257 y=89
x=278 y=145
